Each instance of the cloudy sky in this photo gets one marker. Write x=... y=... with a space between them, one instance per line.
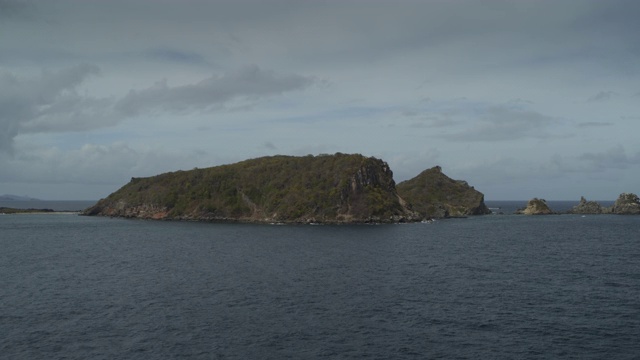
x=521 y=98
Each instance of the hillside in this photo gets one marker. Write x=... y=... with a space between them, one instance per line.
x=325 y=188
x=435 y=195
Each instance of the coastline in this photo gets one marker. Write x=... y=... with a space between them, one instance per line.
x=14 y=211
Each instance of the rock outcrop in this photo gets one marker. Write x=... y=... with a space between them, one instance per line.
x=336 y=188
x=535 y=206
x=588 y=207
x=435 y=195
x=627 y=204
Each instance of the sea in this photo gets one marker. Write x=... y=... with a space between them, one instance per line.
x=484 y=287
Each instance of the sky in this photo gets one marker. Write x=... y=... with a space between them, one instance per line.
x=521 y=99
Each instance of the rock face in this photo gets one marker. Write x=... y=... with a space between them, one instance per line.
x=627 y=204
x=435 y=195
x=326 y=188
x=535 y=206
x=588 y=207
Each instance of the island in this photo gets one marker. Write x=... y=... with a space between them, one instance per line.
x=8 y=211
x=339 y=188
x=625 y=204
x=435 y=195
x=535 y=206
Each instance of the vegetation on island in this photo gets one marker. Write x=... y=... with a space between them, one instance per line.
x=326 y=188
x=435 y=195
x=8 y=210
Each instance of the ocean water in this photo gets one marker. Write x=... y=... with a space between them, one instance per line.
x=489 y=287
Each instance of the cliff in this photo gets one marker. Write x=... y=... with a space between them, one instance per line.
x=326 y=188
x=627 y=204
x=588 y=207
x=435 y=195
x=535 y=206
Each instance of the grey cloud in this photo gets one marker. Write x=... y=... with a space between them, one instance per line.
x=106 y=166
x=24 y=103
x=269 y=146
x=594 y=124
x=250 y=82
x=431 y=122
x=51 y=103
x=504 y=124
x=602 y=96
x=10 y=8
x=614 y=158
x=177 y=56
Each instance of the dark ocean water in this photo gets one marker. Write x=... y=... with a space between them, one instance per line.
x=511 y=287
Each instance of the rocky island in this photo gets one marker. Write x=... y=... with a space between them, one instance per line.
x=435 y=195
x=535 y=206
x=626 y=204
x=338 y=188
x=588 y=207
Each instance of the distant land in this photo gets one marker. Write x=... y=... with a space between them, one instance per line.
x=8 y=197
x=339 y=188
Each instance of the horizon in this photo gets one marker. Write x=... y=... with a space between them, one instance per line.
x=520 y=99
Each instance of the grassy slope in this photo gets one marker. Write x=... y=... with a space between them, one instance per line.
x=324 y=188
x=434 y=194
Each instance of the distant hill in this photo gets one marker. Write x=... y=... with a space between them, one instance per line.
x=435 y=195
x=336 y=188
x=7 y=197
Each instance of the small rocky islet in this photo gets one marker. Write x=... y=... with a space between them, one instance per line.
x=626 y=204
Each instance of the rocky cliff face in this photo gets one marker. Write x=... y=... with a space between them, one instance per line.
x=627 y=204
x=587 y=207
x=535 y=206
x=435 y=195
x=327 y=188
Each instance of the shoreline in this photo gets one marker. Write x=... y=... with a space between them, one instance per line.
x=13 y=211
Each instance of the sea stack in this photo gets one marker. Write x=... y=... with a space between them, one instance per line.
x=535 y=206
x=627 y=204
x=587 y=207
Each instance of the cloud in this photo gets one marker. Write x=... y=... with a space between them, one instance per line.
x=269 y=146
x=594 y=124
x=52 y=102
x=10 y=8
x=95 y=164
x=25 y=104
x=613 y=158
x=175 y=56
x=501 y=123
x=602 y=96
x=248 y=83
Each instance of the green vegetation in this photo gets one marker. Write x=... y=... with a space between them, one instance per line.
x=435 y=195
x=6 y=210
x=326 y=188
